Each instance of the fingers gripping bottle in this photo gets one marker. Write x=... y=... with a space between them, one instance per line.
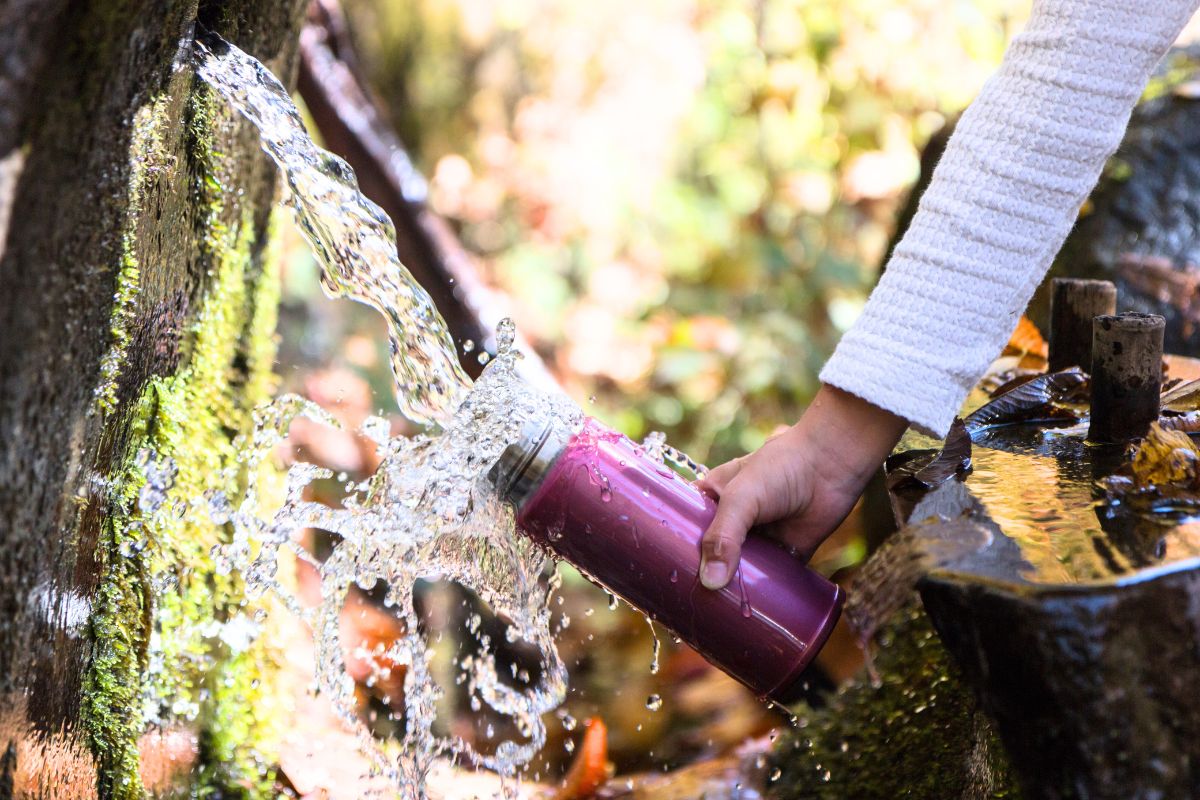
x=631 y=524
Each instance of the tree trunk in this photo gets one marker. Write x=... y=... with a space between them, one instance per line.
x=137 y=312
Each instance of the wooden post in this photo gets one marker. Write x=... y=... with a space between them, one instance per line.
x=1074 y=303
x=1126 y=375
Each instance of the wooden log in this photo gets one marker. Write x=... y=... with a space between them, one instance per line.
x=1074 y=304
x=1126 y=375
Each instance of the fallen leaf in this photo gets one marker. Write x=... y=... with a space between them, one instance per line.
x=1166 y=457
x=952 y=460
x=1182 y=397
x=589 y=770
x=1038 y=400
x=1026 y=338
x=1186 y=422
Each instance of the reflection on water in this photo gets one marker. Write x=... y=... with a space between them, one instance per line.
x=1033 y=487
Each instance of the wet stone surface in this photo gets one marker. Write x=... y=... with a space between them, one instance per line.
x=1076 y=621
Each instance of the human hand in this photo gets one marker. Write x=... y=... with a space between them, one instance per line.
x=801 y=484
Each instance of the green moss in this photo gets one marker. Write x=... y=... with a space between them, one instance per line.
x=919 y=733
x=160 y=650
x=111 y=690
x=146 y=157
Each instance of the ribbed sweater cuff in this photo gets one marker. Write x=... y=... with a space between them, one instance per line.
x=887 y=382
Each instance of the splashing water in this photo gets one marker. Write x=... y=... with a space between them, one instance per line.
x=429 y=511
x=352 y=237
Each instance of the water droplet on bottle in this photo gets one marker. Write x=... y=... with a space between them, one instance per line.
x=746 y=610
x=468 y=346
x=674 y=576
x=654 y=702
x=605 y=494
x=484 y=357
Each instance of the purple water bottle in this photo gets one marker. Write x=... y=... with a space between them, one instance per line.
x=631 y=524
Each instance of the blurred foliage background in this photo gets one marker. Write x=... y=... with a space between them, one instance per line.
x=686 y=200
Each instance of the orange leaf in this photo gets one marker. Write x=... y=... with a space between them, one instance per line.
x=1026 y=339
x=589 y=770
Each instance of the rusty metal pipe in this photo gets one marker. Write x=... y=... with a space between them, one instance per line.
x=1127 y=354
x=1074 y=303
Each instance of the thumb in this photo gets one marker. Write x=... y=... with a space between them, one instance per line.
x=721 y=545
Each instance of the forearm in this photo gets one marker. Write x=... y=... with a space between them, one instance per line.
x=1002 y=200
x=849 y=436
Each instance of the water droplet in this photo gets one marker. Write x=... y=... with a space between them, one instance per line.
x=657 y=647
x=605 y=494
x=468 y=346
x=483 y=357
x=506 y=335
x=674 y=576
x=775 y=775
x=747 y=612
x=654 y=702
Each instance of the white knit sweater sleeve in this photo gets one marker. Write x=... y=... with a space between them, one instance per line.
x=1021 y=162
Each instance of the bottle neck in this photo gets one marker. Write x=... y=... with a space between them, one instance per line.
x=526 y=462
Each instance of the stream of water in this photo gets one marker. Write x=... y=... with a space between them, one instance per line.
x=428 y=511
x=352 y=238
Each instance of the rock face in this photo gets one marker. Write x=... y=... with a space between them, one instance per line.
x=1092 y=690
x=918 y=733
x=1076 y=625
x=116 y=173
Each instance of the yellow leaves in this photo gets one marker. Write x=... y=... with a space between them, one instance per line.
x=1026 y=339
x=1166 y=457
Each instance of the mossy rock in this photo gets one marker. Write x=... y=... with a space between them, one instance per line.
x=138 y=314
x=919 y=733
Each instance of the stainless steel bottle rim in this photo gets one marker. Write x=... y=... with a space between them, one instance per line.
x=525 y=462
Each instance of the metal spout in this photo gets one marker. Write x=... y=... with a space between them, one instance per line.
x=524 y=463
